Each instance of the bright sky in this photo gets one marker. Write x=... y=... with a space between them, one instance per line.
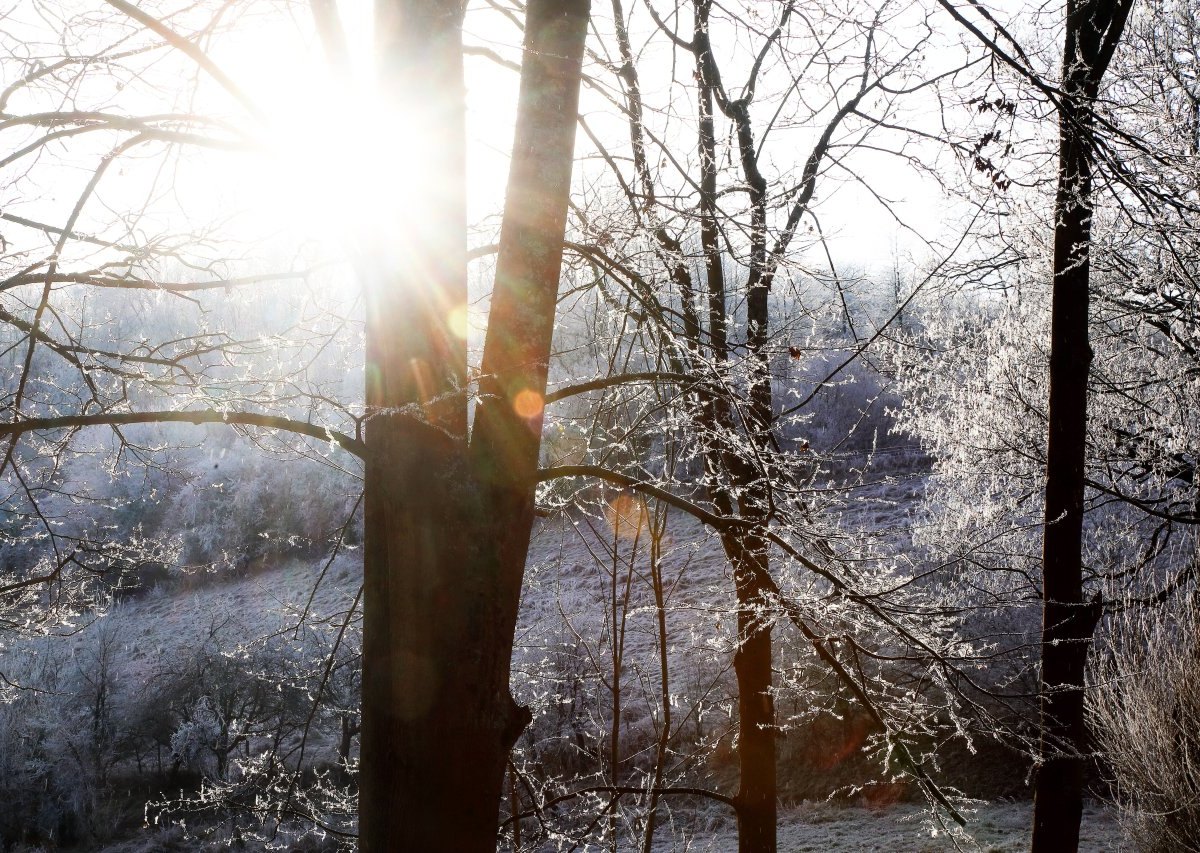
x=331 y=154
x=312 y=116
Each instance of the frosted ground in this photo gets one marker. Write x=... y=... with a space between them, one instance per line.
x=829 y=828
x=567 y=586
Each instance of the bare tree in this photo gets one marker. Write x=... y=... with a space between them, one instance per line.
x=447 y=519
x=717 y=259
x=1092 y=33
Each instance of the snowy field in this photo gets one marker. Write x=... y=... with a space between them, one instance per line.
x=569 y=589
x=828 y=828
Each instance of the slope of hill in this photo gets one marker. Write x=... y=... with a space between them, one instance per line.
x=138 y=697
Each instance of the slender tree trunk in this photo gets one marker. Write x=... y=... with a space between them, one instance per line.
x=514 y=806
x=709 y=232
x=447 y=524
x=345 y=745
x=726 y=472
x=757 y=791
x=619 y=615
x=733 y=482
x=1093 y=29
x=658 y=531
x=756 y=800
x=757 y=795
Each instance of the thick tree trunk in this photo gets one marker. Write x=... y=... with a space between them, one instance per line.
x=447 y=524
x=1092 y=31
x=416 y=265
x=437 y=720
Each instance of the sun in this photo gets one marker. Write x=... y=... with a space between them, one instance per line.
x=336 y=160
x=332 y=157
x=345 y=171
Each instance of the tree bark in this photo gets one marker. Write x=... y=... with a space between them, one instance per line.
x=447 y=521
x=1093 y=29
x=729 y=472
x=757 y=791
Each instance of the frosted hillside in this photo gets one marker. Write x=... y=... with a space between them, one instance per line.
x=588 y=611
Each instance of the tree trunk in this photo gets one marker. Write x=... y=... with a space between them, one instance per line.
x=447 y=523
x=758 y=791
x=1092 y=31
x=756 y=797
x=756 y=800
x=345 y=745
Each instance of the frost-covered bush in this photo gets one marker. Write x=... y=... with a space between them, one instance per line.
x=852 y=409
x=244 y=511
x=206 y=705
x=976 y=386
x=230 y=693
x=1145 y=713
x=37 y=795
x=265 y=714
x=61 y=737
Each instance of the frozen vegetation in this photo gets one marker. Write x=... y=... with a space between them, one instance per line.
x=176 y=681
x=159 y=708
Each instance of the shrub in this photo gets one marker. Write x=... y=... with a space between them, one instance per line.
x=1145 y=712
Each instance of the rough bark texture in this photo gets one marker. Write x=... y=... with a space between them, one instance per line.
x=1092 y=30
x=448 y=521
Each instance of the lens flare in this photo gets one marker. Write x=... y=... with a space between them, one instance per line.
x=456 y=321
x=628 y=516
x=528 y=403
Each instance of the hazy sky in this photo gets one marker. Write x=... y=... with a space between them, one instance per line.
x=326 y=151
